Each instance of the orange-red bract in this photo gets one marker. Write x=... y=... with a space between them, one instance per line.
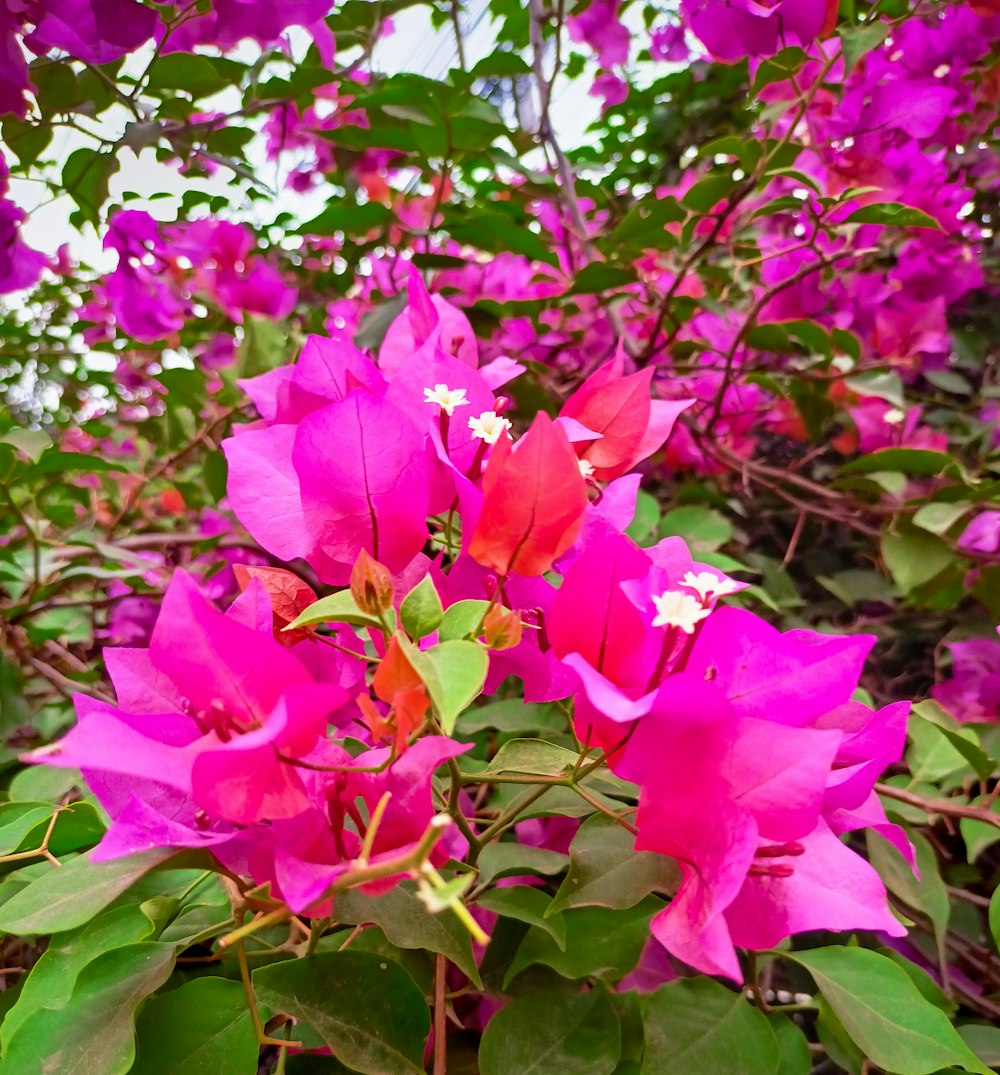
x=534 y=502
x=371 y=585
x=288 y=594
x=397 y=683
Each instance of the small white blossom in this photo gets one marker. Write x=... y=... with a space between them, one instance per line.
x=708 y=586
x=489 y=426
x=676 y=609
x=586 y=469
x=894 y=416
x=446 y=398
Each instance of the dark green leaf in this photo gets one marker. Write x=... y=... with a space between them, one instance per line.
x=900 y=216
x=93 y=1031
x=202 y=1028
x=885 y=1013
x=607 y=871
x=526 y=904
x=552 y=1032
x=407 y=923
x=364 y=1007
x=696 y=1024
x=599 y=942
x=67 y=897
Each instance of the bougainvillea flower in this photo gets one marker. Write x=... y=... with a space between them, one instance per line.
x=622 y=657
x=94 y=31
x=973 y=691
x=231 y=21
x=363 y=478
x=982 y=534
x=617 y=406
x=792 y=678
x=429 y=322
x=212 y=705
x=288 y=595
x=733 y=30
x=20 y=266
x=534 y=502
x=601 y=28
x=716 y=788
x=14 y=81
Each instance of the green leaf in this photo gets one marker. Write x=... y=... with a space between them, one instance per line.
x=795 y=1058
x=929 y=894
x=913 y=556
x=920 y=462
x=187 y=71
x=93 y=1031
x=646 y=518
x=995 y=917
x=500 y=64
x=526 y=904
x=929 y=989
x=892 y=213
x=420 y=612
x=607 y=871
x=67 y=897
x=600 y=276
x=599 y=942
x=884 y=384
x=85 y=178
x=337 y=608
x=30 y=442
x=885 y=1013
x=17 y=820
x=534 y=757
x=984 y=1041
x=939 y=518
x=51 y=981
x=512 y=716
x=202 y=1028
x=704 y=529
x=407 y=923
x=698 y=1025
x=264 y=346
x=551 y=1032
x=933 y=754
x=349 y=218
x=512 y=859
x=364 y=1007
x=858 y=40
x=453 y=673
x=461 y=619
x=708 y=192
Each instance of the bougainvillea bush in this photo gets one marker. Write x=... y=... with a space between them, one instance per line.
x=500 y=563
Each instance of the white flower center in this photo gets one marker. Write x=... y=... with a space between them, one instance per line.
x=446 y=398
x=586 y=469
x=489 y=426
x=676 y=609
x=708 y=586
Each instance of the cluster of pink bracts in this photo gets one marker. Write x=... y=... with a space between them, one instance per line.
x=750 y=756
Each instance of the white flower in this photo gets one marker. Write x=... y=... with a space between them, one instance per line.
x=894 y=416
x=676 y=609
x=446 y=398
x=489 y=426
x=586 y=469
x=708 y=586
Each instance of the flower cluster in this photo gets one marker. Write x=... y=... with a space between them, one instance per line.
x=749 y=755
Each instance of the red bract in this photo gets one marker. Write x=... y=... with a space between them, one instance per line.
x=288 y=594
x=534 y=502
x=617 y=406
